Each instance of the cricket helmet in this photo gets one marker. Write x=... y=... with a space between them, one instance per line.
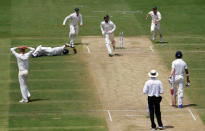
x=154 y=8
x=76 y=9
x=106 y=16
x=65 y=51
x=178 y=54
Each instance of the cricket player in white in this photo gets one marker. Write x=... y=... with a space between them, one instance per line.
x=23 y=65
x=177 y=73
x=73 y=19
x=108 y=28
x=155 y=24
x=48 y=51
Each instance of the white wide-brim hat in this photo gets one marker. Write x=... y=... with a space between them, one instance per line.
x=153 y=74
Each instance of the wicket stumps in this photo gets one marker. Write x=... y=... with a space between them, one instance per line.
x=121 y=40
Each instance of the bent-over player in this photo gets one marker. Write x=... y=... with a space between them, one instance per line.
x=49 y=51
x=73 y=19
x=155 y=24
x=23 y=65
x=108 y=27
x=177 y=76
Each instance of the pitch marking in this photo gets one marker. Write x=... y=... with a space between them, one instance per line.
x=109 y=114
x=151 y=48
x=88 y=49
x=192 y=114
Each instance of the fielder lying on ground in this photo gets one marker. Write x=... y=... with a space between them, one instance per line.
x=23 y=65
x=49 y=51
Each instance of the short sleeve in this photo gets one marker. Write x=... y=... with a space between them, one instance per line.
x=145 y=89
x=173 y=65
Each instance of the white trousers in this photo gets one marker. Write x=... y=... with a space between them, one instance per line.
x=109 y=38
x=73 y=34
x=23 y=75
x=179 y=82
x=154 y=27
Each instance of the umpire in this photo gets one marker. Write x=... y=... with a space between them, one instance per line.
x=153 y=88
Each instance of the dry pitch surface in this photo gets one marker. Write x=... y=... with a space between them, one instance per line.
x=119 y=82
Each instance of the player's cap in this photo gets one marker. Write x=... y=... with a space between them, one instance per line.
x=76 y=9
x=106 y=16
x=178 y=54
x=153 y=74
x=154 y=8
x=65 y=51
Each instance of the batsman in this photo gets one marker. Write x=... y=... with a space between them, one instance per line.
x=176 y=79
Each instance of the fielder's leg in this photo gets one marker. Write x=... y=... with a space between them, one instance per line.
x=160 y=32
x=112 y=40
x=72 y=36
x=153 y=31
x=107 y=42
x=23 y=86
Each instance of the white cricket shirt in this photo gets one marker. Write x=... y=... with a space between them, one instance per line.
x=153 y=87
x=155 y=17
x=49 y=51
x=179 y=66
x=73 y=19
x=22 y=59
x=107 y=27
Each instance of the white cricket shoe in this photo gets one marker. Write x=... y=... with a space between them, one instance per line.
x=68 y=45
x=23 y=101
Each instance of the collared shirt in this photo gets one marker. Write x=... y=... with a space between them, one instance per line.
x=153 y=87
x=179 y=66
x=22 y=59
x=107 y=27
x=155 y=17
x=73 y=19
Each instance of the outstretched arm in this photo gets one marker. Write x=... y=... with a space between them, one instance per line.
x=65 y=20
x=147 y=16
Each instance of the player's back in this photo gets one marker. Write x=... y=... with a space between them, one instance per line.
x=179 y=65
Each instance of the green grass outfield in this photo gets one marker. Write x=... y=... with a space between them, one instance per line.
x=57 y=99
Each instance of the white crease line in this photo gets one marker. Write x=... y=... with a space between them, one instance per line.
x=133 y=115
x=109 y=114
x=88 y=49
x=151 y=48
x=192 y=114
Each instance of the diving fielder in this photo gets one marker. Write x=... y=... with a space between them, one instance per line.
x=108 y=27
x=155 y=24
x=73 y=19
x=48 y=51
x=177 y=75
x=23 y=64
